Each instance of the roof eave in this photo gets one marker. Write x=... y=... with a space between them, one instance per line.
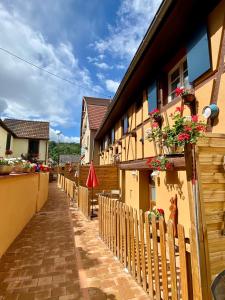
x=147 y=38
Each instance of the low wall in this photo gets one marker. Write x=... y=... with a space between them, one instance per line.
x=20 y=197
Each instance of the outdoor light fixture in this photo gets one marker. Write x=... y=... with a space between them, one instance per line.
x=155 y=173
x=134 y=173
x=210 y=111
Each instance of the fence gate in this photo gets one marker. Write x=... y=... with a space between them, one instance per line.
x=160 y=262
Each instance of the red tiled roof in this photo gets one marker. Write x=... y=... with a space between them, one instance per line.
x=28 y=129
x=96 y=109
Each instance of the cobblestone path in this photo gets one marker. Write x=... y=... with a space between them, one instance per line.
x=44 y=263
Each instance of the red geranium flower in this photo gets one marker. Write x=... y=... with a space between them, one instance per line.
x=194 y=118
x=155 y=125
x=183 y=137
x=179 y=109
x=187 y=128
x=161 y=211
x=154 y=111
x=178 y=91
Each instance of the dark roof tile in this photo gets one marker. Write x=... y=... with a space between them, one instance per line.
x=28 y=129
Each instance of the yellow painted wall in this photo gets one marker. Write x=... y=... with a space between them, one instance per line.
x=3 y=138
x=20 y=146
x=43 y=190
x=132 y=189
x=215 y=22
x=168 y=185
x=18 y=202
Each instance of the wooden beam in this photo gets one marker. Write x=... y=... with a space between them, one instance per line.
x=178 y=163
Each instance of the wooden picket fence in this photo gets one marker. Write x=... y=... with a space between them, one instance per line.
x=158 y=261
x=84 y=201
x=67 y=185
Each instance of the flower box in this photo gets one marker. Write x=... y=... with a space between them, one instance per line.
x=5 y=169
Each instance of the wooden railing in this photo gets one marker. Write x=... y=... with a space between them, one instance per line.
x=158 y=261
x=83 y=201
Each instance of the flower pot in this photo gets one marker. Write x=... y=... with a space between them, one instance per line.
x=5 y=169
x=188 y=98
x=174 y=150
x=26 y=170
x=18 y=168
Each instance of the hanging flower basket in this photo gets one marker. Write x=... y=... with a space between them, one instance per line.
x=159 y=163
x=187 y=94
x=156 y=116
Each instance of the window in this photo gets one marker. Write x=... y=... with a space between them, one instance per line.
x=125 y=124
x=112 y=136
x=33 y=147
x=177 y=77
x=8 y=141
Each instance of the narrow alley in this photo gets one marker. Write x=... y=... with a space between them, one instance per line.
x=60 y=256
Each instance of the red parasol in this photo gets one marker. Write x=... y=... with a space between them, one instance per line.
x=92 y=182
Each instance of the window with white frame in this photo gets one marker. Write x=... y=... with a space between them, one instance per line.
x=177 y=77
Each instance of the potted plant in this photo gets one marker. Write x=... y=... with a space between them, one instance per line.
x=154 y=133
x=159 y=163
x=185 y=130
x=156 y=212
x=6 y=166
x=156 y=116
x=187 y=94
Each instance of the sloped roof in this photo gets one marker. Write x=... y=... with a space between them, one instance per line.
x=3 y=125
x=71 y=158
x=96 y=109
x=28 y=129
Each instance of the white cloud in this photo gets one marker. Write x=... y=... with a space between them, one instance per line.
x=62 y=138
x=100 y=76
x=30 y=93
x=133 y=19
x=102 y=65
x=111 y=85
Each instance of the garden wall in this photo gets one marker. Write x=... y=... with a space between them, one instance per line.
x=20 y=197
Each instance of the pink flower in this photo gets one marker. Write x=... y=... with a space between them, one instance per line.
x=155 y=125
x=194 y=119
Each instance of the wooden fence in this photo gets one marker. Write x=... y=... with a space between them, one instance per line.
x=108 y=178
x=67 y=185
x=84 y=201
x=157 y=260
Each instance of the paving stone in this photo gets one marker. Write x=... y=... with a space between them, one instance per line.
x=59 y=256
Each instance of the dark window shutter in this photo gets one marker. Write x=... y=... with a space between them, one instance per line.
x=125 y=124
x=152 y=96
x=198 y=56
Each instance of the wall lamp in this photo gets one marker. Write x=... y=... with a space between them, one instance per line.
x=210 y=111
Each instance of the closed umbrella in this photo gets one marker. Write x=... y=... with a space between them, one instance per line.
x=92 y=182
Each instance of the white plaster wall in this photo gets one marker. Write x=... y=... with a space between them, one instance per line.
x=42 y=149
x=20 y=146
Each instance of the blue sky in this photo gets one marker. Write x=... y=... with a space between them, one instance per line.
x=90 y=43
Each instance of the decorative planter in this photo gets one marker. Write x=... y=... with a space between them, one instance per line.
x=189 y=98
x=173 y=150
x=5 y=170
x=18 y=168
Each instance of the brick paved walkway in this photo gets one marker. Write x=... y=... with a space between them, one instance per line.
x=43 y=263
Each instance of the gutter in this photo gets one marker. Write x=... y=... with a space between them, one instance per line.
x=146 y=40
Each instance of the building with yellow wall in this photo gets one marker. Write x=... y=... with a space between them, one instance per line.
x=182 y=47
x=26 y=138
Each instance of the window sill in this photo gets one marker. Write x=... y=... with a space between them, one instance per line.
x=174 y=102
